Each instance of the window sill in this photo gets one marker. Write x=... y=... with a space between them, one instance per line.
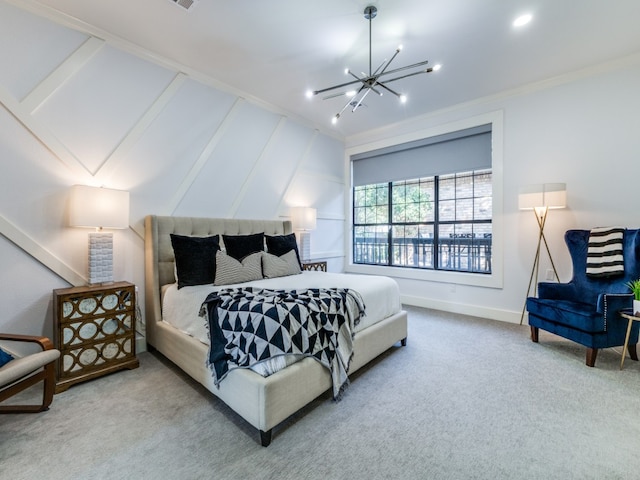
x=491 y=280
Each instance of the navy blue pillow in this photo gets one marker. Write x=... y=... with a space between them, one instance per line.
x=4 y=358
x=240 y=246
x=195 y=259
x=280 y=244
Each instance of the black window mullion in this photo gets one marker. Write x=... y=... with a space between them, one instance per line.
x=389 y=224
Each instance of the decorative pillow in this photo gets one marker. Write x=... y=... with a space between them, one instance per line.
x=4 y=358
x=287 y=264
x=229 y=270
x=195 y=259
x=280 y=244
x=239 y=246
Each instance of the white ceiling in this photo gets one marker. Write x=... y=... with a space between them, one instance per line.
x=276 y=50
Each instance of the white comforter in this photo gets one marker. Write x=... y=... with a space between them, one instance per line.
x=381 y=297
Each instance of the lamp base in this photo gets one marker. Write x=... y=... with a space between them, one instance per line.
x=305 y=246
x=100 y=258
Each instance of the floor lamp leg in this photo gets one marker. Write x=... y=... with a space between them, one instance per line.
x=541 y=218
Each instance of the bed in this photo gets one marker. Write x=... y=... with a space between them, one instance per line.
x=264 y=402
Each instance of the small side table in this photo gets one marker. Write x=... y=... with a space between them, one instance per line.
x=630 y=319
x=315 y=266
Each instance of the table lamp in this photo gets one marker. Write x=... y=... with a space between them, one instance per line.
x=99 y=208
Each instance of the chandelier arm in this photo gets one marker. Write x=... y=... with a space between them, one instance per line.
x=316 y=92
x=400 y=69
x=343 y=108
x=389 y=62
x=389 y=89
x=361 y=99
x=428 y=70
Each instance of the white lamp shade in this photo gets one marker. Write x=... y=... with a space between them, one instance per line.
x=549 y=195
x=303 y=218
x=98 y=207
x=555 y=195
x=530 y=197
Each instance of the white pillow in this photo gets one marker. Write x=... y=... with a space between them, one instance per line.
x=274 y=266
x=229 y=270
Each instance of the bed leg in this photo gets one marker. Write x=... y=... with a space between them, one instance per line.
x=265 y=437
x=403 y=342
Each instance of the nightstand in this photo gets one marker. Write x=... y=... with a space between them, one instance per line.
x=315 y=266
x=94 y=329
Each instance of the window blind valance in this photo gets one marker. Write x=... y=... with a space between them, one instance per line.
x=460 y=151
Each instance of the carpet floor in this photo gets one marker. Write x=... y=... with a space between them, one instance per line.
x=467 y=398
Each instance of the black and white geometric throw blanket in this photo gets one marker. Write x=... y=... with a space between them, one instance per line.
x=604 y=253
x=250 y=325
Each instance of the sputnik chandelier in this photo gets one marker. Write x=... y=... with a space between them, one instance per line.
x=373 y=82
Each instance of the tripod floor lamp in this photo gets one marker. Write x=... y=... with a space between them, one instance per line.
x=540 y=199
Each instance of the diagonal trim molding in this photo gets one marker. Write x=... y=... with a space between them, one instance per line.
x=42 y=255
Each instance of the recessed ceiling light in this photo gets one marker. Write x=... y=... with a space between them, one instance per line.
x=522 y=20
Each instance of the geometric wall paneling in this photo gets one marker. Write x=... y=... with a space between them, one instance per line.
x=43 y=134
x=275 y=171
x=63 y=72
x=165 y=154
x=92 y=112
x=26 y=58
x=109 y=166
x=324 y=191
x=245 y=136
x=255 y=197
x=327 y=157
x=202 y=159
x=46 y=258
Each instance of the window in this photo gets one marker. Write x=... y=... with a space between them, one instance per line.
x=440 y=219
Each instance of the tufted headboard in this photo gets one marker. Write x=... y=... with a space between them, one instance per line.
x=159 y=259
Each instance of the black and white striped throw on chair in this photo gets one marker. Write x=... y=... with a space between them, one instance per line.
x=604 y=254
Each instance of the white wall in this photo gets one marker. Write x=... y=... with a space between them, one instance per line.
x=581 y=129
x=77 y=109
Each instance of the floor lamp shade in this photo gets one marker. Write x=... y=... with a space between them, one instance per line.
x=544 y=195
x=99 y=208
x=304 y=220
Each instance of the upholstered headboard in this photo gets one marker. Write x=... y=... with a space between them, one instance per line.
x=159 y=259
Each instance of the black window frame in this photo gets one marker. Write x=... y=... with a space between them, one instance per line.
x=477 y=247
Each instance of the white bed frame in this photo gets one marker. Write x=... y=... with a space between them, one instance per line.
x=264 y=402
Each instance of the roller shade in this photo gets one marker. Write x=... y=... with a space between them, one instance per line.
x=454 y=152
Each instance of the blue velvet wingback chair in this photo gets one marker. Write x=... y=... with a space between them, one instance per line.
x=586 y=310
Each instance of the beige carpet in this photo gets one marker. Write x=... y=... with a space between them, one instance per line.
x=466 y=398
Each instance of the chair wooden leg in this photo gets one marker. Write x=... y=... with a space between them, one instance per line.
x=534 y=334
x=592 y=353
x=633 y=352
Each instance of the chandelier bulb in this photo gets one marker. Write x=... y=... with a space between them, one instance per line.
x=403 y=99
x=309 y=94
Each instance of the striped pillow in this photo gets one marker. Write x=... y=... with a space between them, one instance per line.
x=229 y=270
x=604 y=254
x=274 y=266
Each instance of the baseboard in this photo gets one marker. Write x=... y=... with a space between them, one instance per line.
x=141 y=343
x=464 y=309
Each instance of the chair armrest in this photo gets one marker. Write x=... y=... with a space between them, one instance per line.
x=44 y=342
x=609 y=304
x=556 y=291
